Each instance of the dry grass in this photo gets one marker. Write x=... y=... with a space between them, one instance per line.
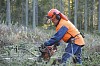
x=14 y=34
x=18 y=35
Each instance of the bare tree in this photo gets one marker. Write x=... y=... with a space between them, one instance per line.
x=26 y=13
x=23 y=12
x=99 y=18
x=61 y=6
x=75 y=13
x=85 y=17
x=34 y=25
x=91 y=15
x=36 y=12
x=69 y=13
x=8 y=14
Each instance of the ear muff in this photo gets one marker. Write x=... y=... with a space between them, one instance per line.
x=57 y=16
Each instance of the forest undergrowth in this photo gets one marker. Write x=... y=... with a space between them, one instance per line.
x=19 y=47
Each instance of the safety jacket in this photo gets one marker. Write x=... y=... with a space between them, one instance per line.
x=64 y=31
x=72 y=32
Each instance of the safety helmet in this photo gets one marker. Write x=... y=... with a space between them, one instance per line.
x=57 y=13
x=52 y=12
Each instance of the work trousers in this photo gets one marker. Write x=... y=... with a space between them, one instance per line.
x=70 y=50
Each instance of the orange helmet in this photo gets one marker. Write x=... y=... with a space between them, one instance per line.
x=52 y=12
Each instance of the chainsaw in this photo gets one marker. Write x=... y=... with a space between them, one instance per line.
x=47 y=51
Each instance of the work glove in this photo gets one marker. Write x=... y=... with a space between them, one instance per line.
x=47 y=43
x=57 y=44
x=43 y=46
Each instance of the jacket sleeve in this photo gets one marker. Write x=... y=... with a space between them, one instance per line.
x=57 y=36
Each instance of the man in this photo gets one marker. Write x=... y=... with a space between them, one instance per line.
x=67 y=32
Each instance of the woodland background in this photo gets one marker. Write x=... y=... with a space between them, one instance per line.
x=23 y=28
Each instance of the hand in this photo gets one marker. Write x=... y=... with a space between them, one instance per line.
x=43 y=46
x=57 y=44
x=54 y=47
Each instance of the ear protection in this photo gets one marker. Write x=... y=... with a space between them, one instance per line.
x=57 y=16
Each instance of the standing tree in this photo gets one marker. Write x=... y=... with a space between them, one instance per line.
x=85 y=16
x=26 y=13
x=23 y=12
x=91 y=15
x=34 y=25
x=8 y=14
x=99 y=18
x=72 y=10
x=69 y=14
x=61 y=6
x=36 y=12
x=75 y=13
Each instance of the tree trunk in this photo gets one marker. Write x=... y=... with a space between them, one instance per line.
x=61 y=9
x=34 y=25
x=91 y=16
x=85 y=17
x=72 y=11
x=36 y=12
x=8 y=17
x=75 y=13
x=69 y=13
x=23 y=12
x=99 y=18
x=26 y=13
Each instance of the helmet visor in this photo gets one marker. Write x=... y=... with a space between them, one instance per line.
x=50 y=17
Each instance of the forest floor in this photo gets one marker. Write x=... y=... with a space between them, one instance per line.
x=19 y=47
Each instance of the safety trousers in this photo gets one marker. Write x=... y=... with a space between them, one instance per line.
x=70 y=50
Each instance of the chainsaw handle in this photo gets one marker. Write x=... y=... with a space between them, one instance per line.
x=40 y=49
x=54 y=47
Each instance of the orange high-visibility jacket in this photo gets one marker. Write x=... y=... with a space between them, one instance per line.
x=71 y=32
